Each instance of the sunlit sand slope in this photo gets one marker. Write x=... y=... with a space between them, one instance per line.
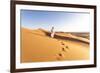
x=38 y=46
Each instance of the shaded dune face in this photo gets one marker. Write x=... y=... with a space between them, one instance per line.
x=38 y=46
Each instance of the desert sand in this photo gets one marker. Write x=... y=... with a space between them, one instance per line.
x=38 y=46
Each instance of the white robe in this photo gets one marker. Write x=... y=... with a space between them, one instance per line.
x=52 y=34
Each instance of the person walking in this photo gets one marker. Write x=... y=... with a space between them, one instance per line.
x=52 y=32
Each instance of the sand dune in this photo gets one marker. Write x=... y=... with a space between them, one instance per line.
x=38 y=46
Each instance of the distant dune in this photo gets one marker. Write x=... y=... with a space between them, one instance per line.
x=38 y=46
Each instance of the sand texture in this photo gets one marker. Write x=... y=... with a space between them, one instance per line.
x=38 y=46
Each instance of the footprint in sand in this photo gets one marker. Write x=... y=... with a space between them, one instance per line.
x=62 y=43
x=60 y=56
x=67 y=47
x=63 y=49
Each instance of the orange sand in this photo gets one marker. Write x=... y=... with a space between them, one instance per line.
x=37 y=46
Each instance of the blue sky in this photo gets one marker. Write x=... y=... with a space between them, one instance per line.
x=62 y=21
